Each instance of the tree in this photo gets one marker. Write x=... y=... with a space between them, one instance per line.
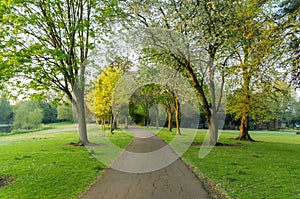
x=50 y=112
x=139 y=106
x=6 y=111
x=257 y=48
x=100 y=98
x=159 y=94
x=265 y=105
x=289 y=13
x=190 y=36
x=65 y=112
x=49 y=42
x=28 y=115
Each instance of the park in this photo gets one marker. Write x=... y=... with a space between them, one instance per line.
x=149 y=99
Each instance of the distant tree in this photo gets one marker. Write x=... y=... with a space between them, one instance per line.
x=28 y=115
x=6 y=112
x=65 y=112
x=100 y=98
x=50 y=112
x=139 y=106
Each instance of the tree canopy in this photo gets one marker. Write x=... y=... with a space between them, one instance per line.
x=100 y=99
x=48 y=42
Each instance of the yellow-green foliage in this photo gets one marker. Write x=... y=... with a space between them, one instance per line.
x=100 y=98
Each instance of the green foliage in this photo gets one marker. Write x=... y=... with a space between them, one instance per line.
x=65 y=112
x=50 y=113
x=100 y=98
x=140 y=104
x=28 y=115
x=6 y=111
x=48 y=42
x=273 y=102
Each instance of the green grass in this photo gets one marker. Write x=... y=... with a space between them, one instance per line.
x=46 y=166
x=22 y=131
x=266 y=169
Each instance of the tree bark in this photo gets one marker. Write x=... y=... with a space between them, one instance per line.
x=213 y=120
x=79 y=104
x=206 y=107
x=111 y=123
x=103 y=127
x=156 y=117
x=244 y=126
x=169 y=113
x=177 y=115
x=126 y=121
x=213 y=129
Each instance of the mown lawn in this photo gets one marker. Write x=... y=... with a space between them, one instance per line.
x=269 y=168
x=45 y=165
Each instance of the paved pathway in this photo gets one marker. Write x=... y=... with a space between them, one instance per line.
x=139 y=173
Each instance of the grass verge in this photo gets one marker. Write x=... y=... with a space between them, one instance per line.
x=45 y=165
x=265 y=169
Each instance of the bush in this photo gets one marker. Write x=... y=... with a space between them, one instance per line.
x=28 y=115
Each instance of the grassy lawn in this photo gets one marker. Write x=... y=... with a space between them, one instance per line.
x=46 y=166
x=266 y=169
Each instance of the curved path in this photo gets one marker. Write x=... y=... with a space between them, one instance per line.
x=132 y=176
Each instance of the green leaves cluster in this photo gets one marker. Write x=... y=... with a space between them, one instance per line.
x=99 y=99
x=28 y=115
x=6 y=111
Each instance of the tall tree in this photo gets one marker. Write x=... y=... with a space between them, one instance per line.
x=189 y=36
x=49 y=41
x=257 y=48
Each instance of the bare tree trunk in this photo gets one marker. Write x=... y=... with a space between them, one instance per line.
x=115 y=121
x=103 y=127
x=169 y=113
x=177 y=115
x=213 y=130
x=156 y=117
x=83 y=139
x=111 y=123
x=126 y=121
x=244 y=127
x=79 y=104
x=213 y=122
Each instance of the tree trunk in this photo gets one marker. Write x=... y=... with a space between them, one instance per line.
x=115 y=121
x=103 y=127
x=126 y=121
x=111 y=123
x=213 y=129
x=177 y=115
x=244 y=127
x=169 y=119
x=79 y=104
x=156 y=117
